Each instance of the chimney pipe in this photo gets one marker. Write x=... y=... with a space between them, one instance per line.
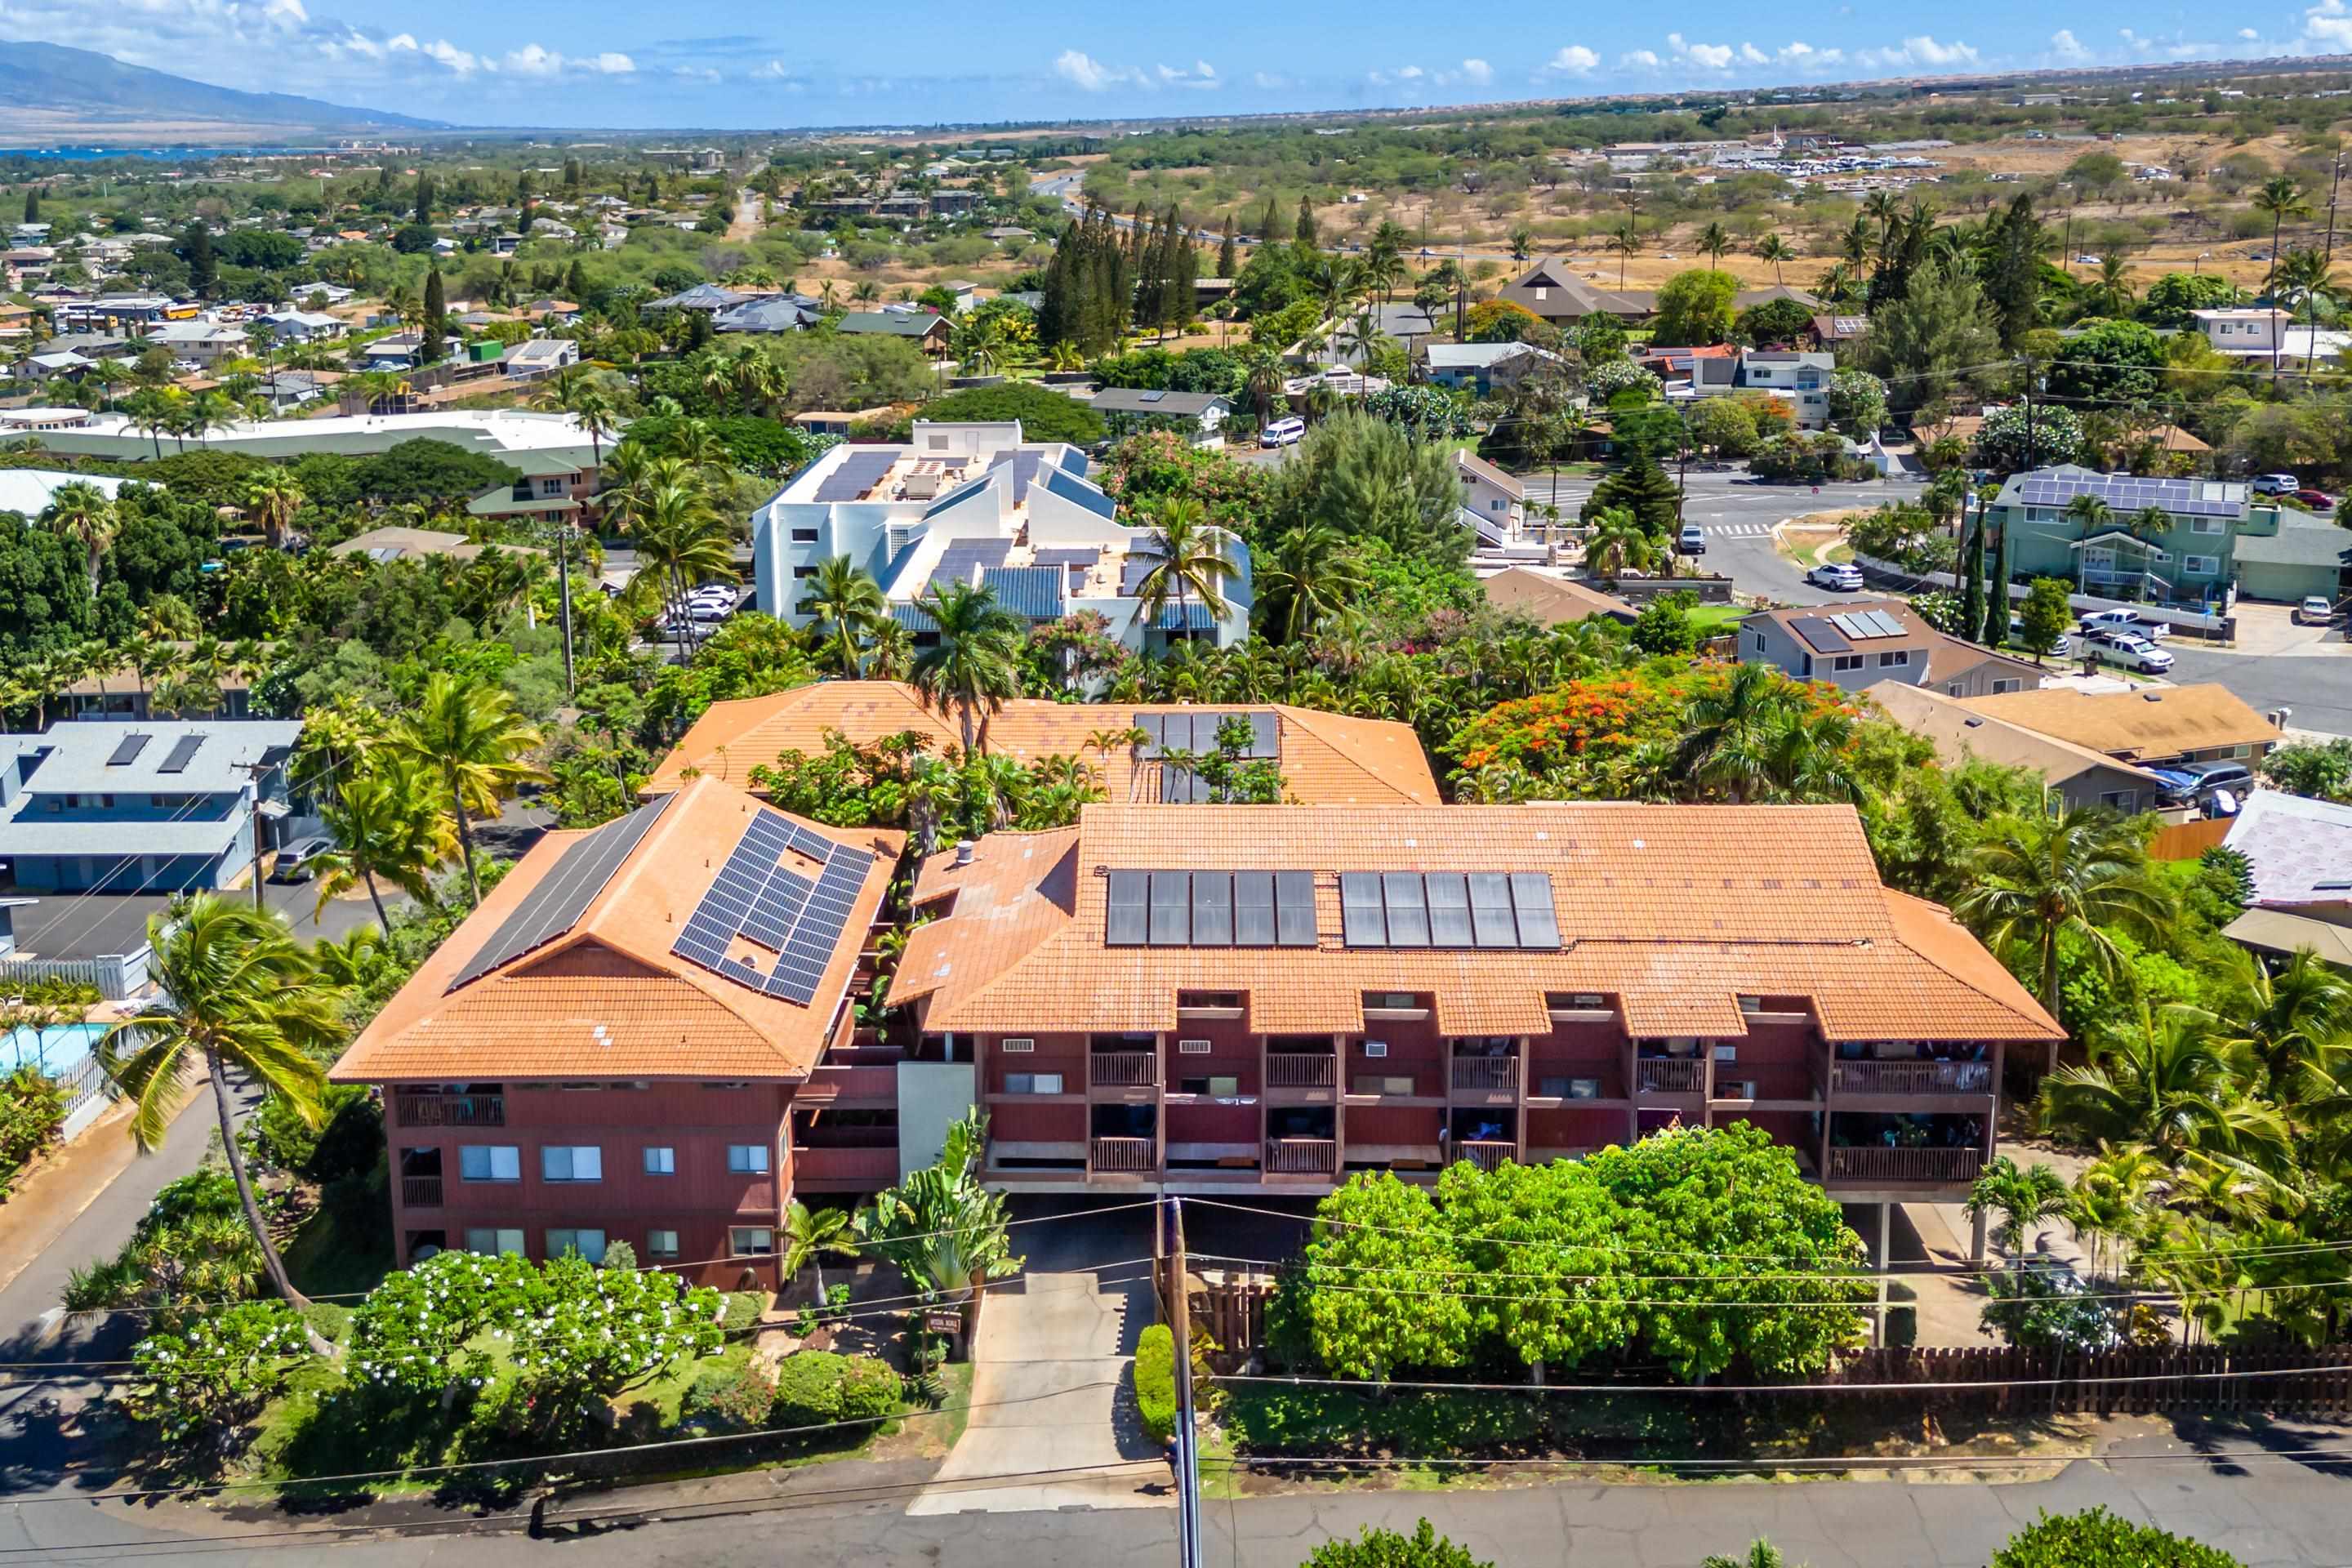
x=964 y=847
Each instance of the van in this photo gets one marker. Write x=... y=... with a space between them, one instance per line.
x=2235 y=777
x=1282 y=433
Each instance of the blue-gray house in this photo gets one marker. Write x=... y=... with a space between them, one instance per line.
x=127 y=806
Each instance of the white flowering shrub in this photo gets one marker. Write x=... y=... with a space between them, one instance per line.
x=201 y=1384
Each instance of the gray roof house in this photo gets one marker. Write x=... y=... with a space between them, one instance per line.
x=928 y=330
x=770 y=314
x=145 y=805
x=1199 y=413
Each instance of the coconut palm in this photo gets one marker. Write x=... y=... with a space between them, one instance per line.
x=1188 y=560
x=82 y=513
x=1772 y=250
x=1625 y=241
x=2150 y=522
x=847 y=604
x=273 y=498
x=387 y=827
x=1712 y=242
x=2093 y=513
x=1618 y=544
x=2023 y=1195
x=679 y=535
x=2038 y=879
x=1310 y=573
x=2161 y=1082
x=2287 y=1019
x=810 y=1235
x=472 y=736
x=2282 y=198
x=1724 y=729
x=233 y=989
x=975 y=666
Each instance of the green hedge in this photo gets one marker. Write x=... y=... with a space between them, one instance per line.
x=1155 y=1381
x=2098 y=1538
x=814 y=1387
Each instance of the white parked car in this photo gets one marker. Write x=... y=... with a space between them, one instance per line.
x=2125 y=620
x=1836 y=574
x=2132 y=651
x=2316 y=610
x=2059 y=649
x=2276 y=484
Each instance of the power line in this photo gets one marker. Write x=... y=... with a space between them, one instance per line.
x=1806 y=1462
x=2340 y=1369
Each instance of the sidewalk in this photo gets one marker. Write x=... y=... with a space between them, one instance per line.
x=54 y=1195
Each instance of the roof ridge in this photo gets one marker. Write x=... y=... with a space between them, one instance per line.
x=1929 y=908
x=1345 y=753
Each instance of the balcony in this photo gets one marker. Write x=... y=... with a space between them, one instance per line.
x=1483 y=1154
x=450 y=1110
x=1301 y=1156
x=1123 y=1069
x=1302 y=1069
x=830 y=1082
x=1938 y=1167
x=1911 y=1078
x=1486 y=1075
x=1669 y=1075
x=420 y=1191
x=852 y=1170
x=1126 y=1156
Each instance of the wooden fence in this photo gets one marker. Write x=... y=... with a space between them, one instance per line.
x=2187 y=840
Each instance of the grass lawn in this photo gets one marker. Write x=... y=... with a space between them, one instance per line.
x=1711 y=619
x=329 y=1257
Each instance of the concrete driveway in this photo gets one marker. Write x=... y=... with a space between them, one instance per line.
x=1050 y=1387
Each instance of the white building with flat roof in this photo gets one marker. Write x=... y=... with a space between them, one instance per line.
x=976 y=503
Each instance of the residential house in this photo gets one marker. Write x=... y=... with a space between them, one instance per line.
x=1552 y=600
x=2219 y=539
x=1552 y=290
x=1858 y=643
x=305 y=326
x=399 y=543
x=708 y=298
x=644 y=1035
x=123 y=693
x=114 y=806
x=1216 y=998
x=2074 y=774
x=930 y=331
x=53 y=364
x=1198 y=415
x=206 y=342
x=1494 y=495
x=2300 y=853
x=535 y=359
x=965 y=293
x=976 y=503
x=28 y=492
x=2154 y=727
x=1484 y=367
x=838 y=422
x=1798 y=377
x=1830 y=331
x=401 y=351
x=953 y=203
x=2269 y=337
x=37 y=420
x=1324 y=759
x=771 y=313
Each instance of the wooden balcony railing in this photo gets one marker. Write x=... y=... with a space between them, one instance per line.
x=420 y=1191
x=450 y=1110
x=1484 y=1156
x=1301 y=1069
x=1488 y=1073
x=1301 y=1156
x=1124 y=1070
x=1669 y=1075
x=1911 y=1078
x=1876 y=1163
x=877 y=1168
x=1126 y=1154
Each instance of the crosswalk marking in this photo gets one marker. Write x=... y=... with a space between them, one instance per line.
x=1741 y=529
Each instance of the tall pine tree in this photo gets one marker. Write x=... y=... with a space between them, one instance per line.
x=423 y=197
x=1306 y=230
x=1228 y=253
x=436 y=311
x=1996 y=617
x=1270 y=228
x=1972 y=566
x=196 y=249
x=32 y=203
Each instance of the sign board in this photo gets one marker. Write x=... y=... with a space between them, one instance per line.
x=946 y=1321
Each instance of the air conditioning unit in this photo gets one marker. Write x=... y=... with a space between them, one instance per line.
x=1374 y=1048
x=1741 y=1090
x=1016 y=1047
x=1191 y=1048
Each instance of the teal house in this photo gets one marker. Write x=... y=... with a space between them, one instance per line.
x=2216 y=539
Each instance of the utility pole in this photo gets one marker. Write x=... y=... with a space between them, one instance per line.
x=2334 y=184
x=563 y=592
x=1188 y=1458
x=262 y=811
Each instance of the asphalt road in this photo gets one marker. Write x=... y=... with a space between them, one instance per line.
x=2272 y=1509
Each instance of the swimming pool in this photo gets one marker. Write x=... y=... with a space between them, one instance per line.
x=61 y=1050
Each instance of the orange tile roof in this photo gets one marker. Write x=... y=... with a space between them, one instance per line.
x=608 y=998
x=1676 y=910
x=1327 y=758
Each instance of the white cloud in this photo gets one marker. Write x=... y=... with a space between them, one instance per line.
x=1573 y=60
x=2328 y=22
x=1924 y=50
x=1083 y=71
x=1478 y=73
x=2248 y=34
x=1707 y=56
x=1202 y=75
x=1269 y=81
x=610 y=63
x=1639 y=59
x=1203 y=69
x=1410 y=73
x=533 y=60
x=2066 y=46
x=465 y=62
x=1751 y=55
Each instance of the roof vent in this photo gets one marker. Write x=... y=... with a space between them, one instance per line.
x=2151 y=697
x=964 y=847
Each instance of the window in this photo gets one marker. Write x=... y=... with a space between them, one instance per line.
x=2124 y=800
x=1192 y=1047
x=804 y=536
x=1756 y=642
x=571 y=1163
x=1847 y=661
x=802 y=573
x=2208 y=525
x=1998 y=686
x=1033 y=1083
x=107 y=800
x=2242 y=751
x=747 y=1159
x=750 y=1241
x=1895 y=660
x=2201 y=565
x=489 y=1163
x=551 y=487
x=661 y=1244
x=162 y=799
x=588 y=1243
x=491 y=1242
x=660 y=1161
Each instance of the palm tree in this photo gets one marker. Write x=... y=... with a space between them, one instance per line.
x=2041 y=879
x=2093 y=513
x=81 y=513
x=1712 y=242
x=234 y=990
x=1188 y=558
x=1724 y=729
x=275 y=497
x=2289 y=1019
x=2114 y=287
x=474 y=738
x=813 y=1234
x=679 y=535
x=975 y=664
x=847 y=604
x=2024 y=1196
x=1773 y=250
x=1618 y=544
x=386 y=828
x=1624 y=241
x=2161 y=1082
x=2282 y=199
x=1310 y=574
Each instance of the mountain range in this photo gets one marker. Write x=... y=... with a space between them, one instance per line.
x=51 y=93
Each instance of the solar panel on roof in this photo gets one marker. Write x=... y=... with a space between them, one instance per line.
x=1492 y=922
x=1129 y=923
x=1078 y=492
x=183 y=752
x=1821 y=637
x=1253 y=924
x=1362 y=918
x=1212 y=909
x=760 y=896
x=1408 y=914
x=1170 y=909
x=1531 y=901
x=1294 y=898
x=1886 y=624
x=126 y=750
x=564 y=895
x=1449 y=909
x=857 y=474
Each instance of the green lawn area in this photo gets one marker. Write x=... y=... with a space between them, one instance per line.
x=330 y=1257
x=1710 y=620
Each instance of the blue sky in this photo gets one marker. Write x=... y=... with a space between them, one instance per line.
x=606 y=63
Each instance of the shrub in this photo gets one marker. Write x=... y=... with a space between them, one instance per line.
x=347 y=1141
x=1424 y=1548
x=743 y=1311
x=32 y=1109
x=1155 y=1381
x=729 y=1399
x=816 y=1387
x=870 y=1390
x=2098 y=1539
